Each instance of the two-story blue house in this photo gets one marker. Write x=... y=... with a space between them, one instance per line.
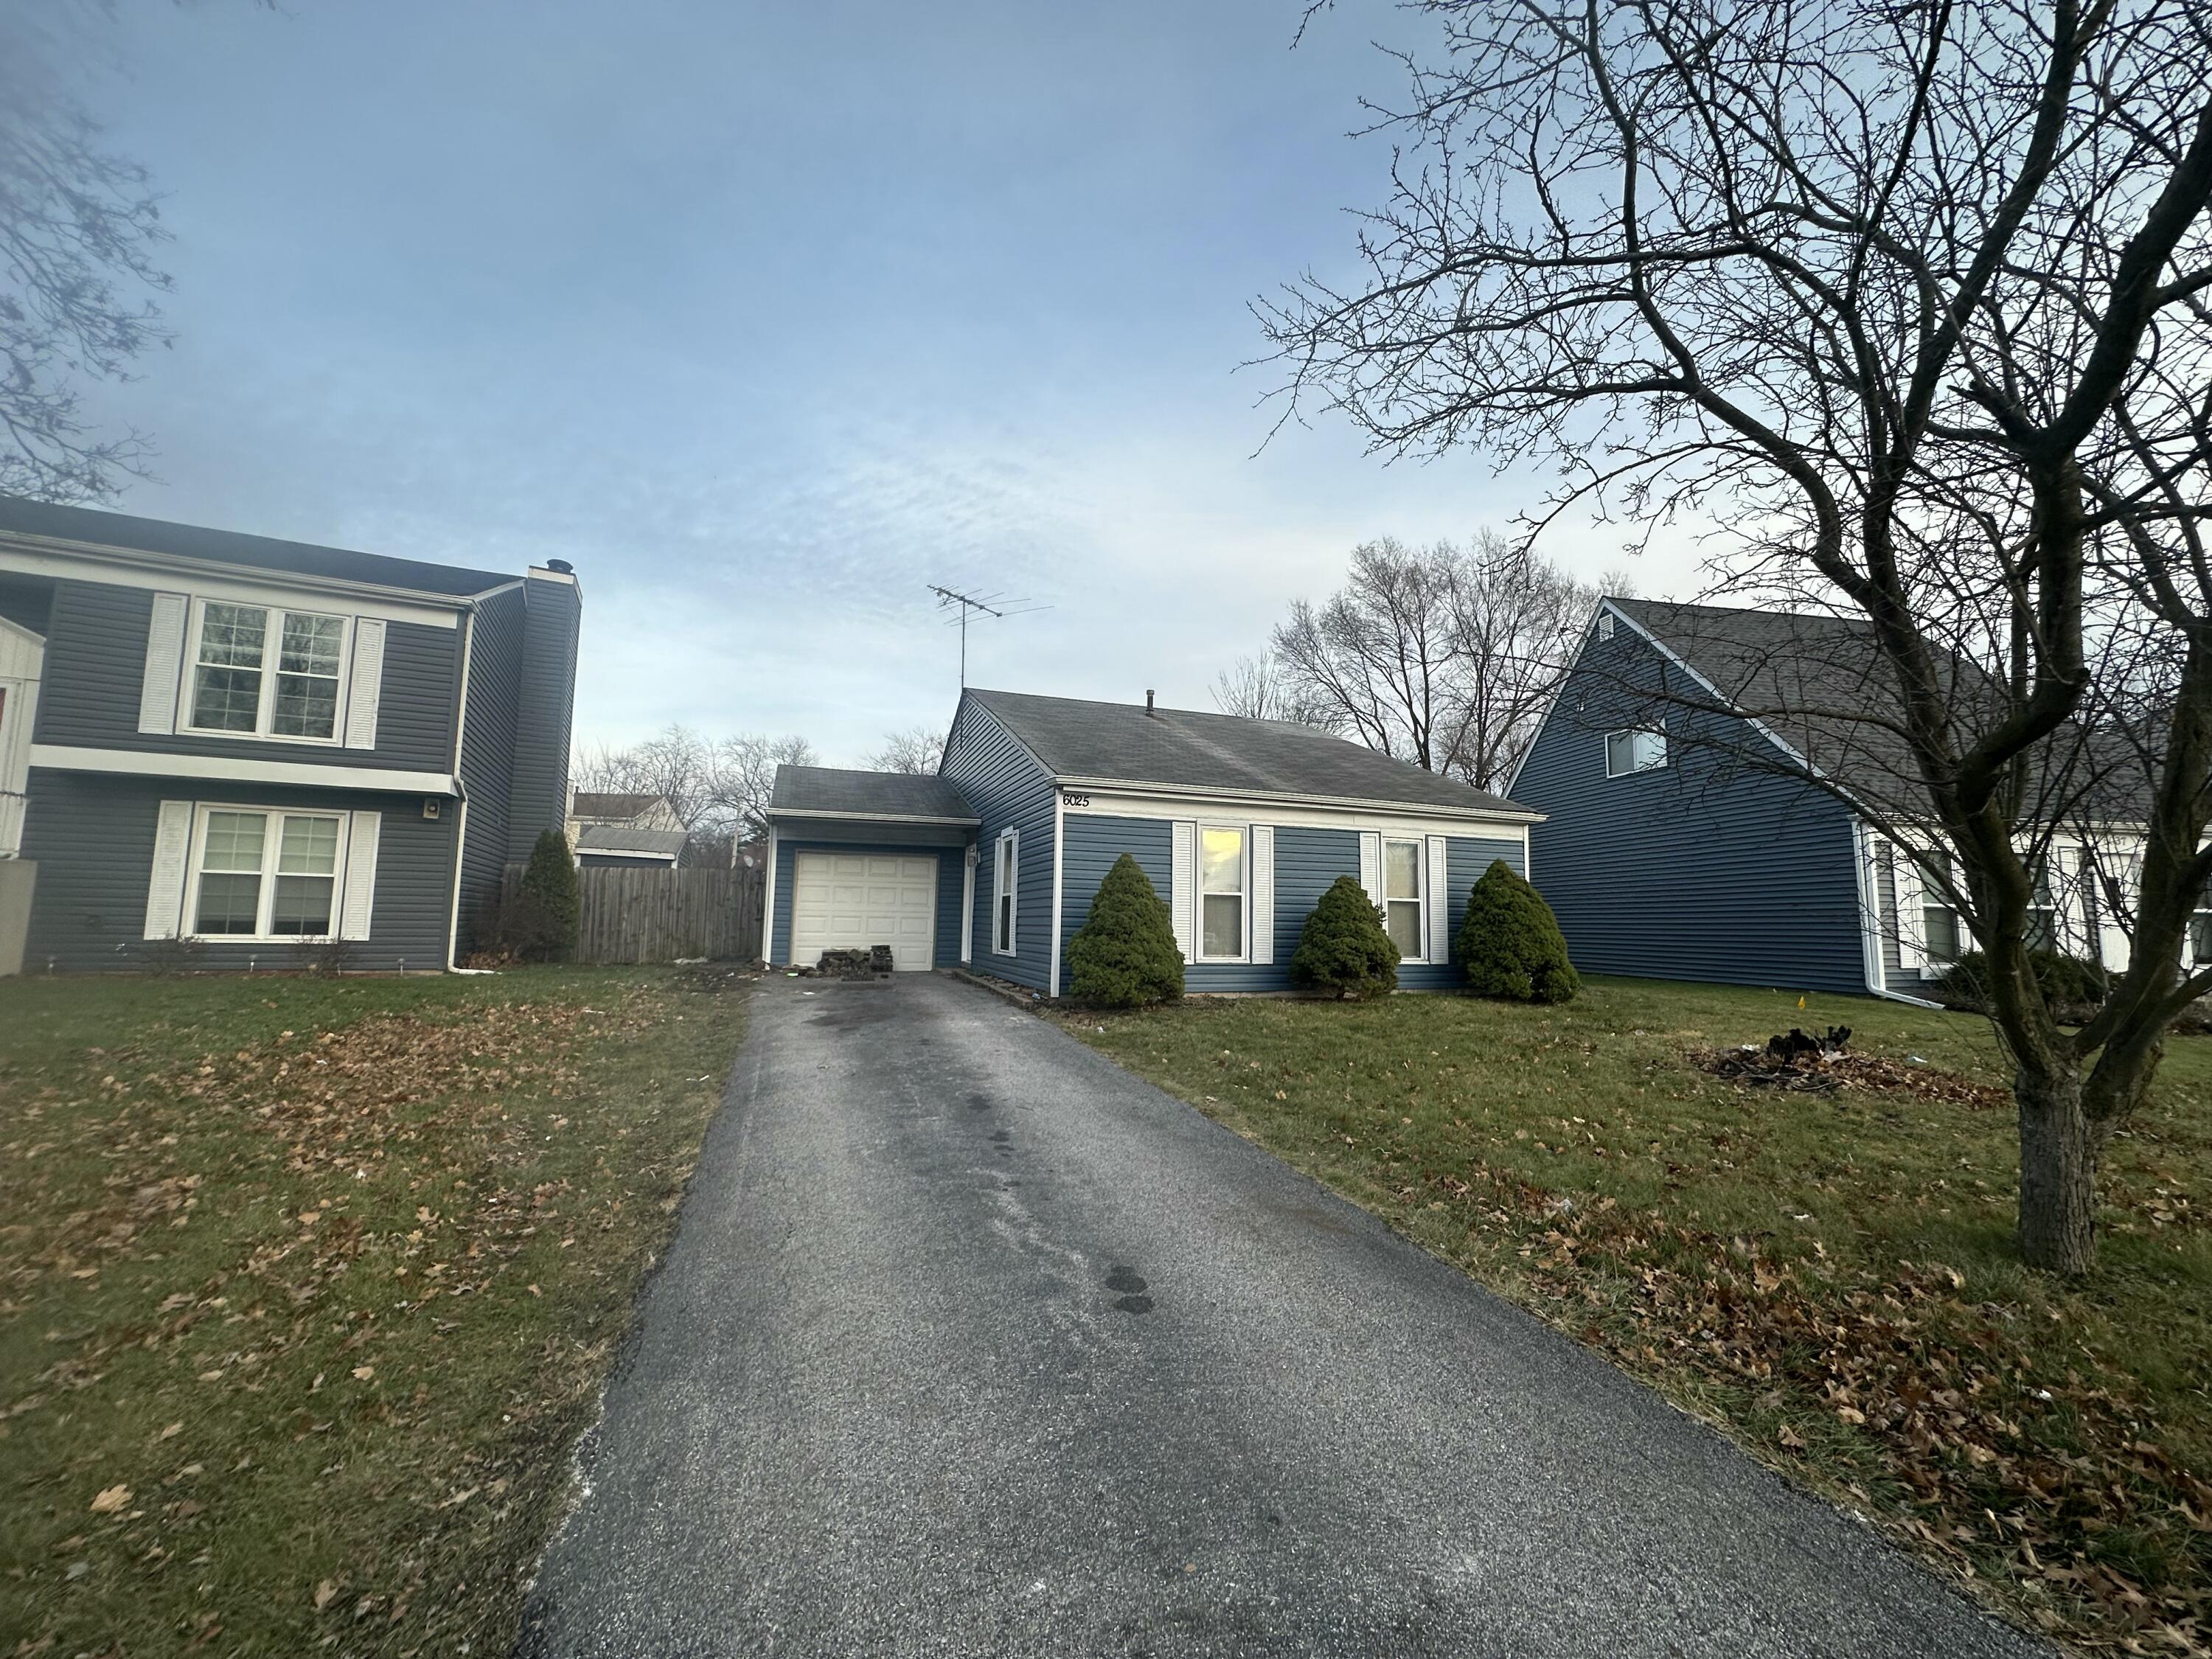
x=1241 y=824
x=1722 y=800
x=242 y=745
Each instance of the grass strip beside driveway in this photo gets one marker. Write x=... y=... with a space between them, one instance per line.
x=309 y=1285
x=1830 y=1276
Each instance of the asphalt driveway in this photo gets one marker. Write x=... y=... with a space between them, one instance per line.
x=971 y=1343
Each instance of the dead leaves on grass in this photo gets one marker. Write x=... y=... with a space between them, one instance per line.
x=1995 y=1456
x=1838 y=1073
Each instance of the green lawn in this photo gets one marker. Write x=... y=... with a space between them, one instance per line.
x=307 y=1285
x=1830 y=1276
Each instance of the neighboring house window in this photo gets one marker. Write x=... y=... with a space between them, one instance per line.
x=1401 y=897
x=2200 y=933
x=1939 y=919
x=1002 y=897
x=2043 y=910
x=1220 y=893
x=264 y=672
x=1634 y=751
x=264 y=875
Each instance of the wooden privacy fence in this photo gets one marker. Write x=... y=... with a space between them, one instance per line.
x=637 y=914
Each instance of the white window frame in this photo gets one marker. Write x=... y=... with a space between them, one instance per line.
x=1006 y=894
x=1932 y=898
x=1198 y=889
x=272 y=644
x=1605 y=624
x=1636 y=767
x=1420 y=846
x=272 y=839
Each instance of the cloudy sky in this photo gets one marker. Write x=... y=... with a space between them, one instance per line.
x=767 y=315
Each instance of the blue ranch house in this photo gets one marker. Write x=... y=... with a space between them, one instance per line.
x=1241 y=824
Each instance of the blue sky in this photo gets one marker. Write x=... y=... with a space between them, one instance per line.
x=766 y=316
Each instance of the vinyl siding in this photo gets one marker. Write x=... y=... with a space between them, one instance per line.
x=93 y=838
x=1006 y=786
x=495 y=689
x=1307 y=862
x=952 y=862
x=96 y=660
x=1710 y=868
x=537 y=786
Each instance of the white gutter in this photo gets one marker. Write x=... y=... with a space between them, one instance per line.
x=1402 y=809
x=1870 y=922
x=178 y=564
x=872 y=818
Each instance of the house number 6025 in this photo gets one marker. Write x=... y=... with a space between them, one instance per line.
x=1075 y=800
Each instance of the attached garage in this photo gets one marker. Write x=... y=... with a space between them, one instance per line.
x=852 y=900
x=861 y=859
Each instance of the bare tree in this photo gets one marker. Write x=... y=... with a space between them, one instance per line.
x=719 y=787
x=1910 y=304
x=1445 y=656
x=78 y=227
x=917 y=749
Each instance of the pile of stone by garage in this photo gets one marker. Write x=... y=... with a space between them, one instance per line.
x=874 y=963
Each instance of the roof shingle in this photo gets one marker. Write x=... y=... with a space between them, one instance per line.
x=814 y=789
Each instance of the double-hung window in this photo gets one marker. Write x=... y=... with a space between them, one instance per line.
x=261 y=671
x=2042 y=907
x=1939 y=918
x=265 y=874
x=1006 y=874
x=1221 y=878
x=2200 y=932
x=1644 y=750
x=1401 y=897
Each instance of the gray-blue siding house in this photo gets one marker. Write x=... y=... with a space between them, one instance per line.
x=247 y=744
x=1682 y=835
x=1241 y=824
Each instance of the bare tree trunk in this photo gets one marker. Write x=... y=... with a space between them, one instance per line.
x=2058 y=1149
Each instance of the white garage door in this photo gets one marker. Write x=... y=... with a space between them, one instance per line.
x=850 y=901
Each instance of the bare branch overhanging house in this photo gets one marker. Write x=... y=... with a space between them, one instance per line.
x=1727 y=795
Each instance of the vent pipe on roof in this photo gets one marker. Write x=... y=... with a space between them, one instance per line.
x=1148 y=702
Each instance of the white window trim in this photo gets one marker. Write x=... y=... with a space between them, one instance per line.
x=1006 y=892
x=1659 y=765
x=1420 y=846
x=1605 y=624
x=271 y=644
x=1244 y=891
x=272 y=838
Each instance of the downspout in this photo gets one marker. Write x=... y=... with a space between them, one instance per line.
x=1870 y=922
x=768 y=903
x=461 y=814
x=1059 y=839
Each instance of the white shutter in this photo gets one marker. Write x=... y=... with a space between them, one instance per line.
x=367 y=683
x=1182 y=885
x=360 y=896
x=1263 y=893
x=165 y=887
x=1371 y=866
x=165 y=662
x=1439 y=896
x=1909 y=895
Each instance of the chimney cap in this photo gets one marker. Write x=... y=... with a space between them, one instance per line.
x=561 y=565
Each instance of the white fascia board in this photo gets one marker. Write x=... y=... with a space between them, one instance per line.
x=38 y=556
x=240 y=768
x=1114 y=798
x=871 y=817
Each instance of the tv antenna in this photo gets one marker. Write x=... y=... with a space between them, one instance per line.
x=978 y=605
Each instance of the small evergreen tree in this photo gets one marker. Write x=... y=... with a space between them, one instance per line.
x=1509 y=944
x=549 y=905
x=1344 y=947
x=1124 y=956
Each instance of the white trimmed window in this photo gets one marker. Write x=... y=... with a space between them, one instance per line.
x=1939 y=927
x=260 y=672
x=1643 y=750
x=263 y=874
x=2043 y=908
x=1004 y=892
x=2200 y=933
x=1404 y=914
x=1221 y=893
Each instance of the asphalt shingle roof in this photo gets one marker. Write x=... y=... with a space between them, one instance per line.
x=80 y=524
x=628 y=838
x=1121 y=742
x=880 y=794
x=588 y=804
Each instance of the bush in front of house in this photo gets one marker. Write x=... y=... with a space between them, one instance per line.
x=1343 y=947
x=2067 y=981
x=1124 y=956
x=1509 y=944
x=539 y=924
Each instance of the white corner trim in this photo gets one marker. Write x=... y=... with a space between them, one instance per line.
x=240 y=768
x=1059 y=856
